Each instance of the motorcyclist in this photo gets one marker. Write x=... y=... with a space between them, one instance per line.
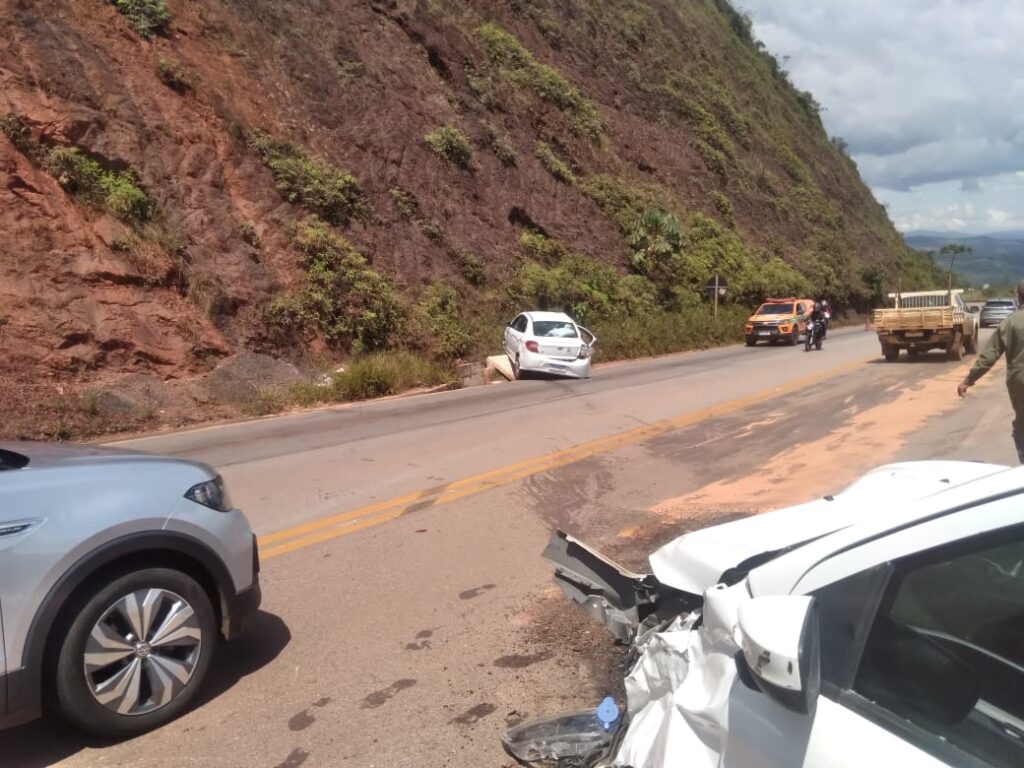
x=818 y=317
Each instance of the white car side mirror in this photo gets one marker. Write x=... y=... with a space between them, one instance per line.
x=781 y=648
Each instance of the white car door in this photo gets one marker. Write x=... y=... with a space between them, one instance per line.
x=922 y=646
x=514 y=336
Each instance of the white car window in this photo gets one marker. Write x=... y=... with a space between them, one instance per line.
x=519 y=323
x=931 y=647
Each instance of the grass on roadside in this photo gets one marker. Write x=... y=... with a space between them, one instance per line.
x=376 y=375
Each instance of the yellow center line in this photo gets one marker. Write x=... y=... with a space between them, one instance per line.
x=323 y=529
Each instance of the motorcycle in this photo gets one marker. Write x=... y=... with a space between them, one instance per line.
x=814 y=335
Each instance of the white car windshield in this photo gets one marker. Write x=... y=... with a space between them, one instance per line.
x=558 y=329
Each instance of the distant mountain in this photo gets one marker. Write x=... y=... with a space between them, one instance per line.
x=995 y=259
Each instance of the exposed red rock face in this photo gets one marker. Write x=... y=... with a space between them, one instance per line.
x=85 y=297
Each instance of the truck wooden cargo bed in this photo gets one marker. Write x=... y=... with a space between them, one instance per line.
x=923 y=319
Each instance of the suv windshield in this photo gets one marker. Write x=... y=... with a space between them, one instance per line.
x=775 y=309
x=554 y=328
x=999 y=303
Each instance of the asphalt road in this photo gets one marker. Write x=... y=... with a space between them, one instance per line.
x=407 y=616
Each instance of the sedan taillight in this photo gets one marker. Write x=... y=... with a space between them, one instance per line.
x=531 y=346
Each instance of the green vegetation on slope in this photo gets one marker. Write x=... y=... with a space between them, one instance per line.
x=509 y=64
x=147 y=17
x=117 y=192
x=311 y=182
x=352 y=305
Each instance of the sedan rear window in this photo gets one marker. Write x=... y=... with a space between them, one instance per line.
x=12 y=460
x=554 y=329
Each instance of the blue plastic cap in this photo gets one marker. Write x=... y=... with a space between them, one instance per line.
x=607 y=713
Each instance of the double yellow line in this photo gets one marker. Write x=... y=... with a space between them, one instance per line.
x=342 y=524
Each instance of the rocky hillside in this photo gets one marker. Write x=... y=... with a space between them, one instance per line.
x=316 y=178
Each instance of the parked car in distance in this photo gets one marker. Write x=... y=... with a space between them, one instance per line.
x=118 y=573
x=995 y=311
x=879 y=626
x=778 y=320
x=549 y=342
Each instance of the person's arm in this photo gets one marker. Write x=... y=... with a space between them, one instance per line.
x=988 y=357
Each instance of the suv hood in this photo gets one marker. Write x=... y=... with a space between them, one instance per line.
x=696 y=561
x=42 y=454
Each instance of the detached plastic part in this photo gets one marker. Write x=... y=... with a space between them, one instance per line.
x=575 y=739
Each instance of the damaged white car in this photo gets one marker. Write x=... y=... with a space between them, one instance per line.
x=880 y=626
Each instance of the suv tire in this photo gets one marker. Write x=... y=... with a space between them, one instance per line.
x=112 y=682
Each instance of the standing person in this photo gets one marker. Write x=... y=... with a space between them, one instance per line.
x=1008 y=339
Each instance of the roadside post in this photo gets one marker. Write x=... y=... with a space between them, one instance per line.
x=717 y=286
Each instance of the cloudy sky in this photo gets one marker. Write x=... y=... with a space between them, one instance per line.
x=929 y=94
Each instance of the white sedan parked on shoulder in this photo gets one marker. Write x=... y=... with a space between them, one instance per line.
x=548 y=342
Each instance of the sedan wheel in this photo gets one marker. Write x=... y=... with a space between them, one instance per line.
x=136 y=653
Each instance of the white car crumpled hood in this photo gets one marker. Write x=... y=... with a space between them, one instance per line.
x=695 y=561
x=678 y=689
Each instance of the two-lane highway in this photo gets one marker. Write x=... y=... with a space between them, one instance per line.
x=289 y=470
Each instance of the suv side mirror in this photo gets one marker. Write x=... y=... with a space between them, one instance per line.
x=781 y=648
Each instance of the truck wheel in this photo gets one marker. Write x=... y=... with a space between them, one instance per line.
x=955 y=348
x=794 y=338
x=971 y=345
x=892 y=354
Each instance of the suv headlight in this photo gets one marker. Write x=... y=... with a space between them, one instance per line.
x=210 y=494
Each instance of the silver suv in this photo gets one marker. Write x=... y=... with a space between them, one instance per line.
x=996 y=310
x=118 y=572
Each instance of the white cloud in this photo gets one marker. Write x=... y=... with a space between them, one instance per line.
x=924 y=91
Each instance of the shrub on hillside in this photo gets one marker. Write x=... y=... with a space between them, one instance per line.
x=723 y=205
x=553 y=164
x=470 y=266
x=621 y=200
x=715 y=160
x=575 y=283
x=352 y=305
x=15 y=129
x=311 y=182
x=508 y=59
x=501 y=146
x=679 y=259
x=172 y=75
x=85 y=178
x=147 y=17
x=437 y=321
x=406 y=203
x=450 y=144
